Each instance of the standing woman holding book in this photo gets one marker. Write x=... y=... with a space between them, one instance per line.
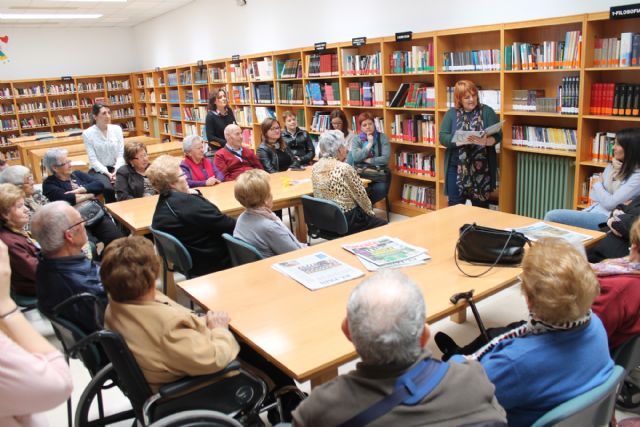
x=104 y=143
x=339 y=122
x=218 y=118
x=471 y=168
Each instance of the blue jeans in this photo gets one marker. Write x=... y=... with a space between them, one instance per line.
x=581 y=219
x=453 y=192
x=377 y=191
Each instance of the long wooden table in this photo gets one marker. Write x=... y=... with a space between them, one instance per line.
x=137 y=214
x=299 y=330
x=173 y=148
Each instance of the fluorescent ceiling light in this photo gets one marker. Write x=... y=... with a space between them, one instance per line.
x=54 y=16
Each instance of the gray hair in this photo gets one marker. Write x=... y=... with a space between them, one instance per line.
x=230 y=128
x=330 y=142
x=386 y=316
x=14 y=175
x=51 y=157
x=187 y=143
x=49 y=224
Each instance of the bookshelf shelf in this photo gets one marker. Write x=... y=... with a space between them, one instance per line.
x=552 y=70
x=549 y=152
x=414 y=176
x=595 y=164
x=612 y=118
x=539 y=114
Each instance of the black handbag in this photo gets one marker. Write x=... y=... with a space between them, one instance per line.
x=489 y=246
x=91 y=211
x=373 y=173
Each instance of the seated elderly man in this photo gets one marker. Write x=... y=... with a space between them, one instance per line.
x=386 y=323
x=199 y=169
x=64 y=270
x=233 y=159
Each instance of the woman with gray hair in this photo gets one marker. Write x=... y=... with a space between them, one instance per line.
x=21 y=177
x=199 y=170
x=335 y=180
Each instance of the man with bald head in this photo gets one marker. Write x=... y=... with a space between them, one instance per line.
x=233 y=159
x=386 y=324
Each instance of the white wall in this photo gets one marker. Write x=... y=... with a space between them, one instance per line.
x=211 y=29
x=50 y=52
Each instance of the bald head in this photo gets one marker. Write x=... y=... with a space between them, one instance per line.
x=386 y=319
x=233 y=136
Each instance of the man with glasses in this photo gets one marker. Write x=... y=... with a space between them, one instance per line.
x=64 y=270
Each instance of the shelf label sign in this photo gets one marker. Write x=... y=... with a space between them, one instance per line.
x=66 y=78
x=157 y=69
x=235 y=57
x=320 y=46
x=200 y=63
x=625 y=12
x=358 y=41
x=404 y=36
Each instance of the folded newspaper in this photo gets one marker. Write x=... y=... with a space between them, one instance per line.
x=387 y=252
x=461 y=137
x=317 y=271
x=540 y=229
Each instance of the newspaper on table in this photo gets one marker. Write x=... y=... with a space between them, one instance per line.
x=317 y=271
x=540 y=229
x=387 y=252
x=460 y=137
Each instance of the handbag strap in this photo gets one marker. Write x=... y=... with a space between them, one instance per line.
x=411 y=388
x=455 y=255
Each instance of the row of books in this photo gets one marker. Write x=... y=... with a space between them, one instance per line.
x=12 y=155
x=90 y=86
x=5 y=92
x=88 y=102
x=28 y=91
x=417 y=60
x=172 y=79
x=602 y=146
x=323 y=93
x=65 y=119
x=414 y=95
x=585 y=191
x=291 y=93
x=86 y=117
x=615 y=99
x=365 y=94
x=532 y=100
x=117 y=84
x=243 y=115
x=119 y=99
x=240 y=94
x=320 y=121
x=544 y=137
x=545 y=55
x=569 y=95
x=238 y=71
x=420 y=196
x=190 y=129
x=175 y=113
x=264 y=112
x=8 y=124
x=289 y=69
x=472 y=60
x=7 y=109
x=121 y=113
x=143 y=110
x=419 y=128
x=59 y=104
x=263 y=94
x=261 y=70
x=142 y=97
x=173 y=128
x=33 y=122
x=203 y=95
x=356 y=64
x=200 y=76
x=490 y=97
x=174 y=95
x=188 y=96
x=186 y=78
x=322 y=65
x=31 y=107
x=422 y=164
x=617 y=52
x=216 y=75
x=61 y=89
x=4 y=139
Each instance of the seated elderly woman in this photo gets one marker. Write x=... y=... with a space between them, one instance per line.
x=188 y=216
x=258 y=225
x=23 y=251
x=131 y=178
x=528 y=364
x=335 y=180
x=199 y=169
x=79 y=190
x=21 y=177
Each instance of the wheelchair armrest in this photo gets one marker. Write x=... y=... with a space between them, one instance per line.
x=190 y=382
x=85 y=342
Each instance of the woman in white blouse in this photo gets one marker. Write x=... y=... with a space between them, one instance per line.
x=104 y=143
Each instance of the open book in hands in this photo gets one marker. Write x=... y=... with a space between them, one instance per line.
x=461 y=137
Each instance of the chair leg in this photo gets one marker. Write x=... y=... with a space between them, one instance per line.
x=69 y=412
x=388 y=205
x=290 y=220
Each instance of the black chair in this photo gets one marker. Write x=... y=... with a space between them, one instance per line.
x=239 y=396
x=25 y=302
x=324 y=219
x=197 y=418
x=241 y=252
x=628 y=356
x=175 y=257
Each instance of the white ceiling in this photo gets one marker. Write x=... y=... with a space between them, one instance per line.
x=115 y=14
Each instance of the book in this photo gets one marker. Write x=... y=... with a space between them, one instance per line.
x=317 y=271
x=385 y=250
x=461 y=137
x=540 y=229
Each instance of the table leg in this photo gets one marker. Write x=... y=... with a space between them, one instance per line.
x=323 y=377
x=301 y=226
x=459 y=317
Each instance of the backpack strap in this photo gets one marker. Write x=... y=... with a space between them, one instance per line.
x=411 y=388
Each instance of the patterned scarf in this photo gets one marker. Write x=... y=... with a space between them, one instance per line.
x=474 y=179
x=533 y=326
x=614 y=266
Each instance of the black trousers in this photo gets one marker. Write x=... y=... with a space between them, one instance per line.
x=109 y=193
x=105 y=230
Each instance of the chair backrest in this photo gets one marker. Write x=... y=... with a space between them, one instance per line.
x=173 y=251
x=44 y=138
x=197 y=418
x=324 y=218
x=75 y=133
x=628 y=354
x=592 y=408
x=24 y=301
x=241 y=252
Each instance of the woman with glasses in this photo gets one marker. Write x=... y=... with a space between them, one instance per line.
x=339 y=122
x=273 y=152
x=189 y=217
x=21 y=177
x=131 y=178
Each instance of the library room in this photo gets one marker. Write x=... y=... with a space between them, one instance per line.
x=252 y=213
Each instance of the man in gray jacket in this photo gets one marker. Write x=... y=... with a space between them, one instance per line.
x=386 y=323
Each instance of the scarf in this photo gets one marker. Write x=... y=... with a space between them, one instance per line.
x=614 y=180
x=474 y=177
x=611 y=267
x=196 y=170
x=376 y=144
x=264 y=212
x=533 y=326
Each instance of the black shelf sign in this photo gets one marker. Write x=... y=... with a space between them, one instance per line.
x=625 y=12
x=358 y=41
x=235 y=57
x=157 y=69
x=200 y=63
x=404 y=36
x=66 y=78
x=320 y=46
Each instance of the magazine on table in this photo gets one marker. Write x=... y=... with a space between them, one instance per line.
x=317 y=271
x=461 y=137
x=387 y=251
x=420 y=259
x=540 y=229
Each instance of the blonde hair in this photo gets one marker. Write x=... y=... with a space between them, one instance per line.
x=252 y=188
x=164 y=171
x=9 y=195
x=634 y=233
x=460 y=89
x=557 y=281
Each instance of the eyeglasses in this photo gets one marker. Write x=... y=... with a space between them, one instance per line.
x=77 y=224
x=275 y=128
x=66 y=162
x=142 y=156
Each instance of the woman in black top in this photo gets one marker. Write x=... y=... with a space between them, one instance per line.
x=218 y=118
x=298 y=140
x=273 y=152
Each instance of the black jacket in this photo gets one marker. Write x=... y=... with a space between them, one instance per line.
x=300 y=145
x=129 y=183
x=54 y=188
x=199 y=225
x=215 y=124
x=613 y=246
x=269 y=159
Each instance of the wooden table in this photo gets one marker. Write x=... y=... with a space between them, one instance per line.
x=137 y=214
x=33 y=137
x=173 y=148
x=299 y=330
